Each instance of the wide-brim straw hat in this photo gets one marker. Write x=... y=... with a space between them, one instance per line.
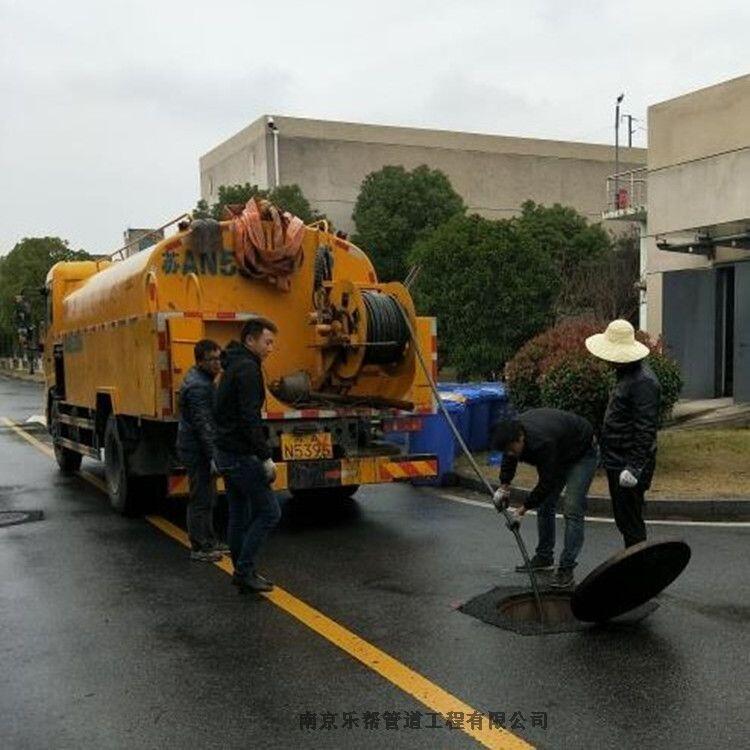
x=617 y=344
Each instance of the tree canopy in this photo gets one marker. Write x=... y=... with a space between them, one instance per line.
x=397 y=208
x=23 y=271
x=491 y=286
x=286 y=197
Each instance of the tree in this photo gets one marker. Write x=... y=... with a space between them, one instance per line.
x=23 y=271
x=395 y=209
x=566 y=234
x=286 y=197
x=606 y=286
x=491 y=286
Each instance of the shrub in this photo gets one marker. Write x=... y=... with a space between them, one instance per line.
x=554 y=369
x=525 y=371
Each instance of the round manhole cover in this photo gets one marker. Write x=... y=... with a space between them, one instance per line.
x=14 y=517
x=628 y=579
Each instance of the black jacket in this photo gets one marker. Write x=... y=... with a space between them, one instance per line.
x=629 y=432
x=555 y=440
x=196 y=431
x=239 y=400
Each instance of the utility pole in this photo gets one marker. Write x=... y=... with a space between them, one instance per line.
x=617 y=147
x=631 y=129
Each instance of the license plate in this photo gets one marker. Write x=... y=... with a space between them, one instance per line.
x=306 y=447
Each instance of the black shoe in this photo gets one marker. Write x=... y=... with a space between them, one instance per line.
x=537 y=563
x=253 y=583
x=563 y=579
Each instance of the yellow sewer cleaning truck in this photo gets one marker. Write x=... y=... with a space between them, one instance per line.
x=343 y=379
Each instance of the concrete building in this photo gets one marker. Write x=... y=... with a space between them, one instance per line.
x=697 y=234
x=494 y=174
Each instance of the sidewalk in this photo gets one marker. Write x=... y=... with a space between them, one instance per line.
x=37 y=377
x=713 y=412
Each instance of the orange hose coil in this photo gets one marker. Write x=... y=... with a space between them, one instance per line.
x=272 y=252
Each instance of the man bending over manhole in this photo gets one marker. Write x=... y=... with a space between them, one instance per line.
x=562 y=447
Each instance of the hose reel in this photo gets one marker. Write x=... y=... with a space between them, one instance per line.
x=387 y=334
x=365 y=326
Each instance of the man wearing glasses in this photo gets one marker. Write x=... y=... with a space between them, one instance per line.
x=196 y=447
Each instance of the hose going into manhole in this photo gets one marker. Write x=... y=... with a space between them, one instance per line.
x=509 y=522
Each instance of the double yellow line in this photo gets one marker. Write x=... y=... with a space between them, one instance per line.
x=426 y=692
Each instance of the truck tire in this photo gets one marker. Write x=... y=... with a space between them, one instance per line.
x=122 y=488
x=323 y=494
x=68 y=460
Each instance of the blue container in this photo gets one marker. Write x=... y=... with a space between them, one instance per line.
x=497 y=394
x=460 y=417
x=436 y=437
x=479 y=417
x=495 y=458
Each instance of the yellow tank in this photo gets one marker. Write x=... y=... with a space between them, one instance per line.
x=120 y=338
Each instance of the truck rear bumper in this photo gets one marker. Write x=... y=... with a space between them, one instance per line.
x=298 y=475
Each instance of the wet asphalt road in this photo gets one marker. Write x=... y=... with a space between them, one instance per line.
x=110 y=637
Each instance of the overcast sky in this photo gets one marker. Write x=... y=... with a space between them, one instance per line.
x=106 y=106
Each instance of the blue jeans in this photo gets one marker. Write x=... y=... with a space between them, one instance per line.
x=253 y=508
x=200 y=507
x=577 y=483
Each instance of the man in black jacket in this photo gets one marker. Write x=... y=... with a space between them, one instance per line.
x=628 y=437
x=561 y=446
x=243 y=456
x=196 y=446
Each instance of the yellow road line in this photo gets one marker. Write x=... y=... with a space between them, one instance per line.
x=38 y=444
x=426 y=692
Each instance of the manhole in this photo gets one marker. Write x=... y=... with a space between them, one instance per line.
x=14 y=517
x=514 y=608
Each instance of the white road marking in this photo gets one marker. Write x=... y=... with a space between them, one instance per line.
x=596 y=519
x=37 y=419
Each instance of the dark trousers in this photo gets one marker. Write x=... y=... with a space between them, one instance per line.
x=200 y=506
x=253 y=508
x=627 y=505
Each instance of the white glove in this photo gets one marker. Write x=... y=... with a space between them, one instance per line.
x=514 y=518
x=214 y=468
x=501 y=498
x=270 y=468
x=627 y=479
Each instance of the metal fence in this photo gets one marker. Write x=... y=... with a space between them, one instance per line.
x=627 y=191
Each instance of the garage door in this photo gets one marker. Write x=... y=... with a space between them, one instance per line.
x=742 y=332
x=689 y=328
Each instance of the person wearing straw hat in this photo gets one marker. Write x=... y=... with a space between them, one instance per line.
x=628 y=437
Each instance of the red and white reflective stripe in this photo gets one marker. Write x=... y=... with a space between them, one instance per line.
x=163 y=368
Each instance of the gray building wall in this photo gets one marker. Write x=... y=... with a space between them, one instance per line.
x=699 y=183
x=494 y=174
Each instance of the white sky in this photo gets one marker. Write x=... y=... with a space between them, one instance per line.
x=106 y=106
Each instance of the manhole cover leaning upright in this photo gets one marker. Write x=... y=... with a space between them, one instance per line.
x=628 y=579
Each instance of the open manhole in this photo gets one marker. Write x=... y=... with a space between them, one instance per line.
x=619 y=591
x=14 y=517
x=515 y=609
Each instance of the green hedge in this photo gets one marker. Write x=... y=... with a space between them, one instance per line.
x=554 y=369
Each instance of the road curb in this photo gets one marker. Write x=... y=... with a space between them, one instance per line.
x=667 y=509
x=17 y=375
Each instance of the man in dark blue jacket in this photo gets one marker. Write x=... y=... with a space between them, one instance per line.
x=631 y=422
x=243 y=456
x=196 y=447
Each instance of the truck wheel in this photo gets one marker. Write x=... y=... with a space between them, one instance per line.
x=323 y=494
x=68 y=460
x=121 y=487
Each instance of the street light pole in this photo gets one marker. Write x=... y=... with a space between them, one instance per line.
x=617 y=147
